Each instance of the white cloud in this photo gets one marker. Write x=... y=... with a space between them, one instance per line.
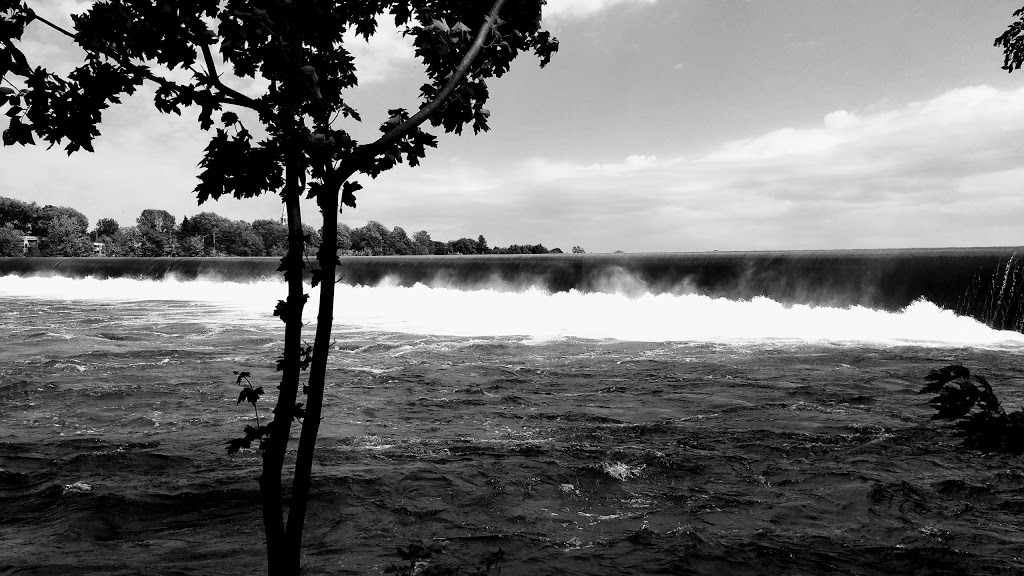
x=946 y=171
x=841 y=119
x=384 y=55
x=958 y=127
x=562 y=10
x=59 y=11
x=786 y=142
x=543 y=169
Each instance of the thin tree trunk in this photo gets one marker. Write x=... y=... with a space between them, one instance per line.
x=328 y=257
x=278 y=557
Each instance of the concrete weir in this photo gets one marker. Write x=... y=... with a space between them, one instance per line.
x=985 y=283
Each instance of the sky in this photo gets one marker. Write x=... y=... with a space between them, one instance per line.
x=659 y=126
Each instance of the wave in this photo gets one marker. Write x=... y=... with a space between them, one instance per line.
x=533 y=314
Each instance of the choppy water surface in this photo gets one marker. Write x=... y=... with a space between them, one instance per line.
x=581 y=433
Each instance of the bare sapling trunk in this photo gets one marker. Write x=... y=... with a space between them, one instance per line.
x=328 y=259
x=279 y=558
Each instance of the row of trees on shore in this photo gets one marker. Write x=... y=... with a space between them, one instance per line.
x=64 y=231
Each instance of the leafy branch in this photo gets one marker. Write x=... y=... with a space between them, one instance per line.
x=416 y=559
x=460 y=72
x=202 y=40
x=252 y=394
x=249 y=394
x=990 y=428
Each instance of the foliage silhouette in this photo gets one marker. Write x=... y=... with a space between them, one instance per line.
x=106 y=227
x=990 y=428
x=1012 y=42
x=418 y=559
x=250 y=395
x=66 y=236
x=297 y=50
x=10 y=241
x=19 y=215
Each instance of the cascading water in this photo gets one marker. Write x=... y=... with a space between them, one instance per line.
x=536 y=314
x=997 y=295
x=982 y=283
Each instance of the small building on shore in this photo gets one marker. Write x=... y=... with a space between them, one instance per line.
x=29 y=242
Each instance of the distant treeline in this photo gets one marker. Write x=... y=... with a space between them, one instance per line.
x=65 y=231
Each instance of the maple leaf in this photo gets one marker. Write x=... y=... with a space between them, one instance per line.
x=348 y=196
x=250 y=395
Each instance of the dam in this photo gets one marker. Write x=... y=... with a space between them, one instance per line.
x=984 y=283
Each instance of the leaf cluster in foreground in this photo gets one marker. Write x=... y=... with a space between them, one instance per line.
x=971 y=404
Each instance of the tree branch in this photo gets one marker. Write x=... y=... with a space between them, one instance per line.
x=54 y=26
x=227 y=96
x=457 y=77
x=214 y=78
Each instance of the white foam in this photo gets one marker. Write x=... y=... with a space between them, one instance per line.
x=540 y=316
x=76 y=488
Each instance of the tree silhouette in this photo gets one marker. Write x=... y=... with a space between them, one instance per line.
x=297 y=48
x=106 y=227
x=1012 y=42
x=10 y=241
x=42 y=218
x=20 y=215
x=273 y=234
x=65 y=236
x=157 y=229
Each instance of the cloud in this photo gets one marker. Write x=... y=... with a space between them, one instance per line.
x=958 y=134
x=940 y=172
x=546 y=170
x=386 y=54
x=59 y=11
x=945 y=171
x=564 y=10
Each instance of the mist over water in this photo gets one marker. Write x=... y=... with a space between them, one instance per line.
x=537 y=315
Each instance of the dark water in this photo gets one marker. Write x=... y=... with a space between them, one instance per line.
x=580 y=433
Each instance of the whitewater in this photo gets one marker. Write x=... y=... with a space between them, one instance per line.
x=540 y=315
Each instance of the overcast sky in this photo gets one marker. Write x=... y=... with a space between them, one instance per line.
x=660 y=125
